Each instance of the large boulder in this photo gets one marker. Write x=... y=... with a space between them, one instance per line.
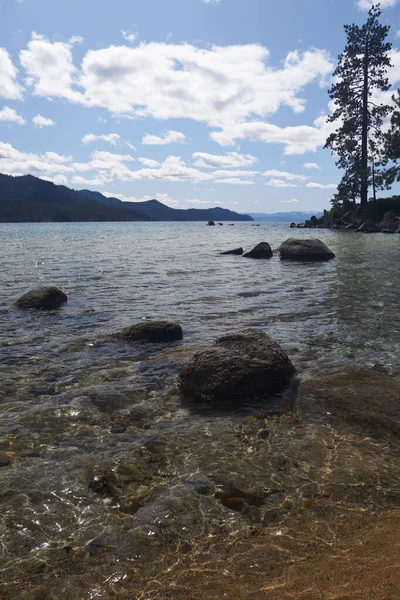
x=150 y=331
x=262 y=250
x=238 y=366
x=305 y=249
x=42 y=298
x=235 y=252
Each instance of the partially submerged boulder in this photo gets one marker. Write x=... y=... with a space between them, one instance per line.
x=150 y=331
x=262 y=250
x=235 y=252
x=238 y=366
x=210 y=223
x=305 y=249
x=42 y=298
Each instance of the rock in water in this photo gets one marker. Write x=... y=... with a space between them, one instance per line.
x=262 y=250
x=210 y=223
x=238 y=366
x=43 y=298
x=305 y=249
x=150 y=331
x=235 y=252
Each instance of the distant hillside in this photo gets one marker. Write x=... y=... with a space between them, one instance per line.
x=156 y=211
x=285 y=216
x=30 y=199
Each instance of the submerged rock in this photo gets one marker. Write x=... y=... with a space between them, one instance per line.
x=262 y=250
x=305 y=249
x=237 y=367
x=150 y=331
x=43 y=298
x=235 y=252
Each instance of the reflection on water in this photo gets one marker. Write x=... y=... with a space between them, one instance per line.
x=113 y=487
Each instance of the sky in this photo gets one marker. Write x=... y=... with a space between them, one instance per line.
x=197 y=103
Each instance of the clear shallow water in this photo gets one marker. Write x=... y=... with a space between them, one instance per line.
x=75 y=412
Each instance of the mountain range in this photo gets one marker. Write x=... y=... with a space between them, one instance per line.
x=27 y=198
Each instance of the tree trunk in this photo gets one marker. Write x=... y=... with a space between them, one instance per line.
x=373 y=179
x=364 y=142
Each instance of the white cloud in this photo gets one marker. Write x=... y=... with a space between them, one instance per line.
x=14 y=162
x=211 y=1
x=57 y=179
x=9 y=115
x=284 y=175
x=9 y=87
x=50 y=68
x=311 y=165
x=321 y=186
x=227 y=161
x=129 y=36
x=296 y=139
x=288 y=201
x=398 y=33
x=40 y=121
x=281 y=183
x=235 y=181
x=367 y=4
x=149 y=162
x=111 y=138
x=79 y=180
x=220 y=86
x=168 y=137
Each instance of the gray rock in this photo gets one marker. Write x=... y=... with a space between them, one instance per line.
x=262 y=250
x=150 y=331
x=43 y=298
x=238 y=366
x=235 y=252
x=305 y=249
x=210 y=223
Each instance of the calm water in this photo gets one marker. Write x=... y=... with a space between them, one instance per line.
x=112 y=484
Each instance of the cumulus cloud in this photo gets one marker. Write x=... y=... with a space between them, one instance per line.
x=322 y=186
x=129 y=36
x=50 y=69
x=40 y=121
x=79 y=180
x=57 y=179
x=217 y=85
x=9 y=88
x=281 y=183
x=211 y=1
x=14 y=162
x=111 y=138
x=149 y=162
x=227 y=161
x=284 y=175
x=9 y=115
x=296 y=139
x=367 y=4
x=168 y=137
x=311 y=165
x=235 y=181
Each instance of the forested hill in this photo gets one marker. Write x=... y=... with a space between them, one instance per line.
x=156 y=211
x=29 y=199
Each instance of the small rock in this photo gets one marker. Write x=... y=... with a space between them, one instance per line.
x=235 y=252
x=150 y=331
x=210 y=223
x=309 y=249
x=262 y=250
x=43 y=298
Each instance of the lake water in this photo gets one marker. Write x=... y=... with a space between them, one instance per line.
x=113 y=486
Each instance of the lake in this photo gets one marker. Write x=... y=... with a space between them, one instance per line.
x=113 y=486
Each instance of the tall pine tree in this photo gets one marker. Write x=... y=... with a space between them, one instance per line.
x=361 y=72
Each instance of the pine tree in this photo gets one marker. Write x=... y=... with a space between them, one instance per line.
x=361 y=72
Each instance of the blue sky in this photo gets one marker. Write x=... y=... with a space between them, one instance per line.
x=198 y=103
